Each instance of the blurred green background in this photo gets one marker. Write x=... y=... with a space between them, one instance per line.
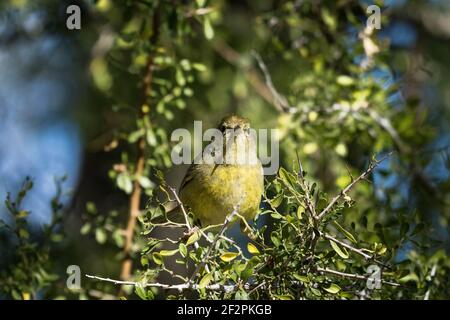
x=71 y=104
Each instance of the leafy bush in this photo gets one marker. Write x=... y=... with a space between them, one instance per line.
x=330 y=225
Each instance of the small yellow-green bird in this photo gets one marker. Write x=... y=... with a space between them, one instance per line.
x=227 y=176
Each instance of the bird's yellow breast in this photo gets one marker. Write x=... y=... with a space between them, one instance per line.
x=214 y=190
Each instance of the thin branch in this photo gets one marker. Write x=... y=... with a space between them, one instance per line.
x=135 y=198
x=227 y=221
x=135 y=201
x=385 y=124
x=280 y=100
x=261 y=285
x=300 y=166
x=199 y=12
x=233 y=57
x=353 y=276
x=349 y=247
x=226 y=288
x=343 y=193
x=432 y=274
x=186 y=219
x=179 y=287
x=183 y=210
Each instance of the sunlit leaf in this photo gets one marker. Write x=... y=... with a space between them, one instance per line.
x=157 y=258
x=168 y=253
x=205 y=281
x=333 y=288
x=341 y=252
x=229 y=256
x=252 y=248
x=193 y=238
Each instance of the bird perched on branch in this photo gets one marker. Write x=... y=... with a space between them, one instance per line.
x=226 y=175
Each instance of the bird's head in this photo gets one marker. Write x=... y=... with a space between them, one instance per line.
x=238 y=140
x=234 y=122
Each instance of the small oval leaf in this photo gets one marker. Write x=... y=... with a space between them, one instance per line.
x=157 y=258
x=333 y=288
x=205 y=281
x=193 y=238
x=228 y=256
x=252 y=248
x=168 y=253
x=341 y=252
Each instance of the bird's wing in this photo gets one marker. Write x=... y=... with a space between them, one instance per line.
x=188 y=177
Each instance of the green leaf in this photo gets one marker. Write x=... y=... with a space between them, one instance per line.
x=341 y=252
x=208 y=29
x=284 y=297
x=201 y=3
x=22 y=214
x=241 y=295
x=179 y=77
x=100 y=235
x=205 y=280
x=118 y=238
x=333 y=288
x=239 y=267
x=410 y=277
x=275 y=240
x=228 y=256
x=275 y=202
x=276 y=216
x=193 y=238
x=157 y=258
x=85 y=228
x=382 y=250
x=329 y=19
x=345 y=80
x=183 y=250
x=199 y=67
x=185 y=64
x=151 y=138
x=124 y=183
x=91 y=208
x=347 y=234
x=140 y=291
x=145 y=182
x=134 y=136
x=252 y=248
x=144 y=261
x=168 y=253
x=316 y=292
x=287 y=178
x=300 y=211
x=23 y=233
x=301 y=278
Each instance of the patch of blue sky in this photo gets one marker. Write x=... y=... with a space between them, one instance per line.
x=39 y=84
